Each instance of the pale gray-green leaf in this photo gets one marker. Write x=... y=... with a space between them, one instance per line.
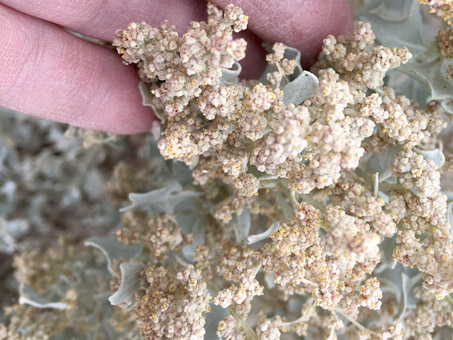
x=130 y=283
x=436 y=155
x=450 y=218
x=29 y=297
x=387 y=246
x=403 y=33
x=148 y=100
x=231 y=76
x=163 y=200
x=433 y=75
x=265 y=234
x=241 y=225
x=114 y=249
x=407 y=300
x=299 y=89
x=215 y=315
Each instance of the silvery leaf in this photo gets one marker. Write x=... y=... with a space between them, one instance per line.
x=29 y=297
x=407 y=86
x=387 y=246
x=408 y=29
x=264 y=235
x=288 y=211
x=130 y=283
x=433 y=75
x=156 y=130
x=215 y=315
x=401 y=281
x=290 y=53
x=387 y=9
x=181 y=172
x=407 y=299
x=269 y=280
x=450 y=218
x=299 y=89
x=380 y=162
x=447 y=105
x=241 y=225
x=114 y=249
x=436 y=155
x=10 y=231
x=148 y=98
x=163 y=200
x=231 y=76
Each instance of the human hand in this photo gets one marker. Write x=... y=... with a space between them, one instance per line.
x=48 y=72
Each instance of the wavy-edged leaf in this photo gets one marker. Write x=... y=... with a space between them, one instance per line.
x=436 y=155
x=407 y=299
x=402 y=33
x=130 y=283
x=148 y=100
x=380 y=162
x=114 y=249
x=299 y=89
x=215 y=315
x=241 y=225
x=433 y=75
x=450 y=218
x=265 y=234
x=447 y=105
x=29 y=297
x=296 y=87
x=231 y=76
x=163 y=200
x=387 y=246
x=401 y=281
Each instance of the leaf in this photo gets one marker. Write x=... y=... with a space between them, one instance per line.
x=29 y=297
x=450 y=218
x=296 y=87
x=407 y=299
x=387 y=246
x=163 y=200
x=380 y=162
x=269 y=280
x=447 y=105
x=402 y=33
x=231 y=76
x=215 y=315
x=130 y=283
x=264 y=235
x=436 y=155
x=195 y=228
x=287 y=210
x=181 y=172
x=433 y=75
x=114 y=249
x=148 y=100
x=299 y=89
x=407 y=86
x=241 y=225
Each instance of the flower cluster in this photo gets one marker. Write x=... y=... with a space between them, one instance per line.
x=309 y=155
x=173 y=306
x=301 y=204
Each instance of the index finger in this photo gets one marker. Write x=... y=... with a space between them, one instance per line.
x=302 y=24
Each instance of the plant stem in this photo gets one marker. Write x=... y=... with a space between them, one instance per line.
x=355 y=323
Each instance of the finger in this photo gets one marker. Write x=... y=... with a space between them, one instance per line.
x=302 y=24
x=100 y=19
x=49 y=73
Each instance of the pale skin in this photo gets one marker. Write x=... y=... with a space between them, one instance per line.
x=47 y=72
